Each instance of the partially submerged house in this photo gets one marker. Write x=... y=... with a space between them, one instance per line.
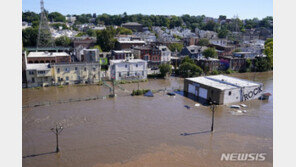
x=222 y=89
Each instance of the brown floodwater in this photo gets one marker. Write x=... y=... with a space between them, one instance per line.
x=142 y=131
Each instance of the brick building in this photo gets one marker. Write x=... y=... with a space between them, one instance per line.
x=48 y=57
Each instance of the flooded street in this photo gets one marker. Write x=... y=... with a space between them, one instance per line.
x=142 y=131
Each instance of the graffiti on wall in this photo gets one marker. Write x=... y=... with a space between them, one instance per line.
x=252 y=93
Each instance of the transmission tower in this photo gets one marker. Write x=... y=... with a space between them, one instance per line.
x=44 y=35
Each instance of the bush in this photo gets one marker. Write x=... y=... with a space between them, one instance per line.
x=229 y=71
x=139 y=92
x=165 y=69
x=215 y=72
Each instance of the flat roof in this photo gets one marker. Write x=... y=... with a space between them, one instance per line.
x=223 y=82
x=38 y=66
x=47 y=54
x=127 y=61
x=131 y=41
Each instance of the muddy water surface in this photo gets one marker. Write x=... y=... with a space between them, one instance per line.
x=142 y=131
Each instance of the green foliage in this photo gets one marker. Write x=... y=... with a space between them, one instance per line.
x=177 y=37
x=187 y=69
x=268 y=51
x=91 y=33
x=203 y=42
x=229 y=71
x=63 y=41
x=237 y=50
x=187 y=59
x=210 y=52
x=80 y=34
x=105 y=38
x=29 y=36
x=139 y=92
x=262 y=64
x=214 y=72
x=30 y=17
x=125 y=31
x=165 y=69
x=56 y=17
x=223 y=33
x=97 y=47
x=211 y=26
x=57 y=25
x=175 y=47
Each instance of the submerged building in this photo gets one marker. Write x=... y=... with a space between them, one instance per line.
x=222 y=89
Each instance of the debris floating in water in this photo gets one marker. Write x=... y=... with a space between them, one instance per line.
x=171 y=94
x=197 y=105
x=186 y=106
x=235 y=106
x=243 y=105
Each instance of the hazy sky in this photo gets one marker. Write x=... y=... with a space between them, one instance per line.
x=213 y=8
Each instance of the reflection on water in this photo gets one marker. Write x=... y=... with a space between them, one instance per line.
x=142 y=131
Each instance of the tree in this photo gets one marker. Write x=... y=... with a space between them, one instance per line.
x=210 y=52
x=210 y=25
x=203 y=42
x=187 y=59
x=63 y=41
x=30 y=17
x=105 y=38
x=91 y=33
x=56 y=17
x=58 y=25
x=175 y=47
x=223 y=33
x=189 y=70
x=165 y=69
x=97 y=47
x=29 y=36
x=268 y=51
x=125 y=31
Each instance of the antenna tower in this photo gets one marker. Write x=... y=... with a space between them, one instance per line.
x=44 y=35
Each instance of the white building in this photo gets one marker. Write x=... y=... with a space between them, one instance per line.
x=222 y=89
x=165 y=54
x=134 y=69
x=38 y=75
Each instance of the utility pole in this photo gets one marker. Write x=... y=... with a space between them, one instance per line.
x=213 y=107
x=57 y=130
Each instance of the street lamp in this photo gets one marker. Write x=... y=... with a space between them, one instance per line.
x=57 y=130
x=213 y=107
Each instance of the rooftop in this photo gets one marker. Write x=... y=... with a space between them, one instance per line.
x=47 y=54
x=128 y=61
x=132 y=23
x=223 y=82
x=131 y=42
x=40 y=66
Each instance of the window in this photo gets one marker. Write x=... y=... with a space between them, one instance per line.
x=127 y=73
x=45 y=79
x=143 y=73
x=84 y=68
x=31 y=72
x=229 y=93
x=58 y=71
x=94 y=68
x=41 y=72
x=67 y=69
x=33 y=80
x=126 y=66
x=67 y=78
x=119 y=74
x=136 y=65
x=76 y=68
